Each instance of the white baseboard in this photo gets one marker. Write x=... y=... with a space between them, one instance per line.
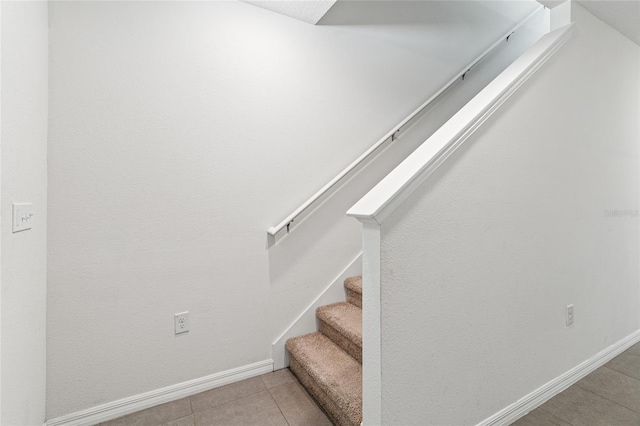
x=306 y=321
x=122 y=407
x=536 y=398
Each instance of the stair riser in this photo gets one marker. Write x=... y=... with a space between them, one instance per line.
x=345 y=344
x=321 y=396
x=354 y=298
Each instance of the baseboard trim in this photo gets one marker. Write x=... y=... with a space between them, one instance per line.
x=306 y=322
x=122 y=407
x=536 y=398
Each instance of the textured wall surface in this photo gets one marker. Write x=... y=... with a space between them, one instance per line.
x=179 y=133
x=24 y=179
x=480 y=263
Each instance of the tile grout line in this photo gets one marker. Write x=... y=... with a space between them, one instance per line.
x=278 y=405
x=274 y=399
x=263 y=382
x=305 y=394
x=620 y=372
x=240 y=398
x=192 y=413
x=254 y=392
x=312 y=400
x=550 y=413
x=604 y=397
x=309 y=397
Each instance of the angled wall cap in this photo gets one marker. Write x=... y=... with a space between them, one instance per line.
x=551 y=3
x=309 y=11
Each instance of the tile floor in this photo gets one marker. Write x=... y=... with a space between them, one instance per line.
x=610 y=396
x=273 y=399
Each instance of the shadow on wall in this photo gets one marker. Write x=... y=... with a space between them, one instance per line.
x=325 y=241
x=441 y=30
x=434 y=14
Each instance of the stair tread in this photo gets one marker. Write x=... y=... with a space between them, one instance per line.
x=354 y=284
x=332 y=369
x=344 y=318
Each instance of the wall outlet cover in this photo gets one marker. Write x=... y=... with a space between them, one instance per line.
x=569 y=314
x=181 y=322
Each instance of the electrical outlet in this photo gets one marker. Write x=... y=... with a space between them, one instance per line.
x=569 y=314
x=181 y=322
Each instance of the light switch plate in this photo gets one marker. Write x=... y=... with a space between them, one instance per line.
x=22 y=216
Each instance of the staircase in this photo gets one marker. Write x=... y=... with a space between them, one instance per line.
x=328 y=363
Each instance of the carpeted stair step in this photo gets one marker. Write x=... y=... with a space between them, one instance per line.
x=342 y=323
x=354 y=290
x=331 y=375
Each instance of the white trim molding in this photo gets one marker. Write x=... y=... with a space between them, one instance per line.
x=385 y=197
x=371 y=325
x=122 y=407
x=536 y=398
x=306 y=322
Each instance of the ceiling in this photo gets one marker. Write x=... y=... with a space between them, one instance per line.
x=455 y=32
x=623 y=15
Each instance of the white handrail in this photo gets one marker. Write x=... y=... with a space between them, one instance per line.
x=385 y=197
x=395 y=132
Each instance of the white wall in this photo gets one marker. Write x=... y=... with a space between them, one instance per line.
x=24 y=179
x=179 y=133
x=480 y=262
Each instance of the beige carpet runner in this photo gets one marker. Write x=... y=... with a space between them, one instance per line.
x=329 y=363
